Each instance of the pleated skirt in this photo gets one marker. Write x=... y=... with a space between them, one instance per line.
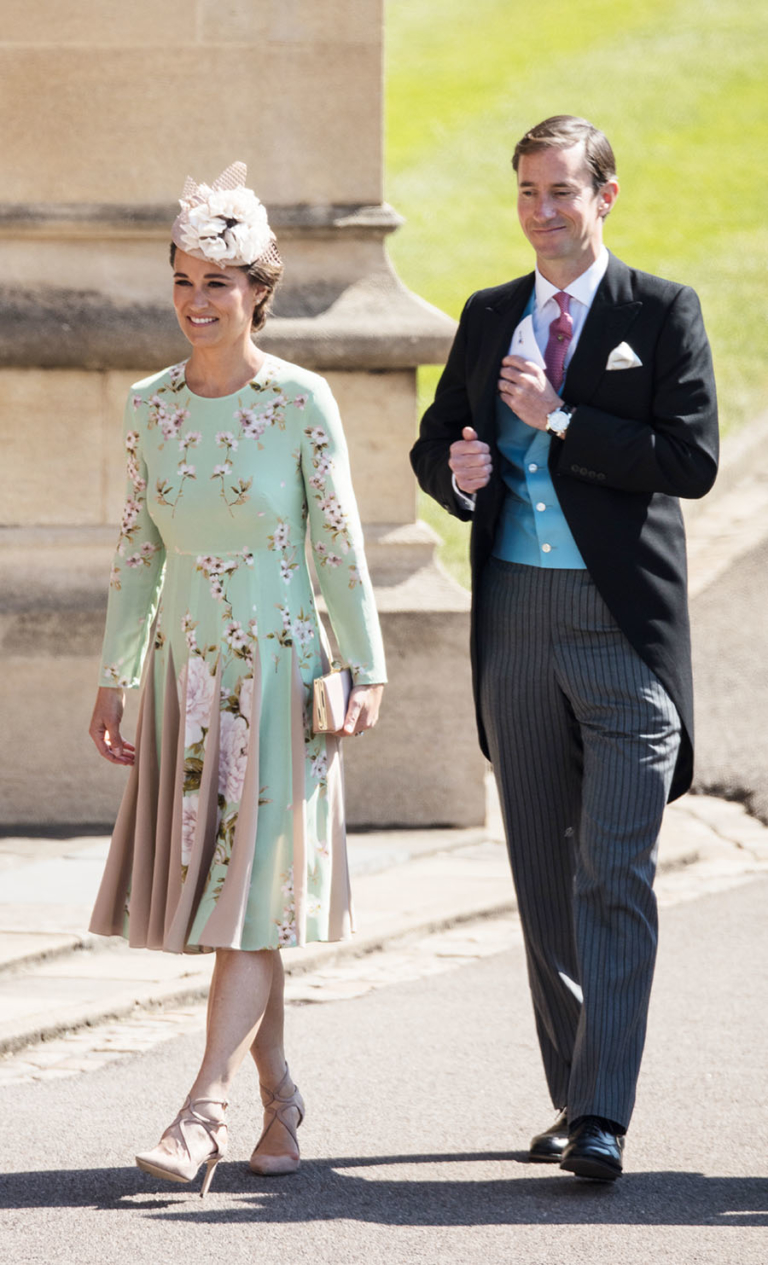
x=231 y=829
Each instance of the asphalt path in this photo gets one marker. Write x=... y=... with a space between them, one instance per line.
x=421 y=1099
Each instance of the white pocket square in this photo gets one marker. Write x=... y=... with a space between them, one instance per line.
x=623 y=357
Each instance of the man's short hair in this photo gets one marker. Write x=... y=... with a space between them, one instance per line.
x=564 y=130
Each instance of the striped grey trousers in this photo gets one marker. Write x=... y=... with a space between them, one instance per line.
x=583 y=740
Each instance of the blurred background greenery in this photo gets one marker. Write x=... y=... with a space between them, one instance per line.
x=679 y=87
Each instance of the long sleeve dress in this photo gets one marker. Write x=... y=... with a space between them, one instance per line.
x=231 y=829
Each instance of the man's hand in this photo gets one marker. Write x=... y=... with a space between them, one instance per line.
x=528 y=391
x=470 y=461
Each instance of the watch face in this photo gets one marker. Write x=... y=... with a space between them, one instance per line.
x=558 y=421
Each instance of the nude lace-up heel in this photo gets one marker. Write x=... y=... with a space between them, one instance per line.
x=186 y=1129
x=276 y=1107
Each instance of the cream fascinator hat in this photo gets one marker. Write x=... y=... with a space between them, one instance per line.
x=224 y=222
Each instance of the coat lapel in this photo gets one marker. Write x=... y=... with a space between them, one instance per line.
x=500 y=320
x=609 y=319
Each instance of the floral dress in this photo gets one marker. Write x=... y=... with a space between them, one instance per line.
x=231 y=829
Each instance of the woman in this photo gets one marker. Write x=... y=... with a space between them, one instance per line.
x=230 y=836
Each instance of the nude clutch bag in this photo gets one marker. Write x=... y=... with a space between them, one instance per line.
x=330 y=699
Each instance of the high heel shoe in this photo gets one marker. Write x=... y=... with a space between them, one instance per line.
x=276 y=1108
x=181 y=1167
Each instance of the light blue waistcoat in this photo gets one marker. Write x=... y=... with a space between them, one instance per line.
x=532 y=527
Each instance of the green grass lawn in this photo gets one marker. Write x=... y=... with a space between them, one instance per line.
x=679 y=88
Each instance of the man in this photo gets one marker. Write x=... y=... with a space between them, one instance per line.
x=577 y=405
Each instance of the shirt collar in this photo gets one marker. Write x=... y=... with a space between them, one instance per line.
x=583 y=288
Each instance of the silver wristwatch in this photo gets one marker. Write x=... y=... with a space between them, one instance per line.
x=559 y=420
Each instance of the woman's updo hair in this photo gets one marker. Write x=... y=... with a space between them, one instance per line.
x=266 y=272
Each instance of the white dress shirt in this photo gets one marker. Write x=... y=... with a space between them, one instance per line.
x=546 y=310
x=582 y=292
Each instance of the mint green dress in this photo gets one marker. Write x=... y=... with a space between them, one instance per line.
x=231 y=829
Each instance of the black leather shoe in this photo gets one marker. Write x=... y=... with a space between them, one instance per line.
x=594 y=1150
x=548 y=1147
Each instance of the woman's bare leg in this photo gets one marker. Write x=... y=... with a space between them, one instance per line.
x=241 y=991
x=269 y=1055
x=267 y=1045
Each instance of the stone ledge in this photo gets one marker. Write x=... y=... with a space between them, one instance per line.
x=99 y=220
x=373 y=324
x=45 y=570
x=342 y=305
x=60 y=569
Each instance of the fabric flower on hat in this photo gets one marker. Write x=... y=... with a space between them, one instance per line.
x=224 y=222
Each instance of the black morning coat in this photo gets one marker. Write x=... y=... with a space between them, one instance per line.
x=639 y=439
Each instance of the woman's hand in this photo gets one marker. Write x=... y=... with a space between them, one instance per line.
x=362 y=709
x=105 y=726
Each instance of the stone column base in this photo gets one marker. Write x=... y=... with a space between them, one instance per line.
x=420 y=767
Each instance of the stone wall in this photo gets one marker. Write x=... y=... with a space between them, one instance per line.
x=104 y=110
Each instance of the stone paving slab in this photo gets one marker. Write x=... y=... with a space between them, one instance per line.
x=729 y=821
x=39 y=1008
x=46 y=917
x=18 y=850
x=406 y=883
x=422 y=894
x=47 y=886
x=120 y=964
x=58 y=880
x=17 y=947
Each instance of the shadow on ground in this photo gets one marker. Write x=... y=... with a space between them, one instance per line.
x=338 y=1189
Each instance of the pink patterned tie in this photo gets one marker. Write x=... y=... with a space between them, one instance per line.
x=560 y=334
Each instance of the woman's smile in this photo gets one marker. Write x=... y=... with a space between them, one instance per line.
x=199 y=284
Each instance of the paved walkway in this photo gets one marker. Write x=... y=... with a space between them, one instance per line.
x=422 y=1095
x=55 y=977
